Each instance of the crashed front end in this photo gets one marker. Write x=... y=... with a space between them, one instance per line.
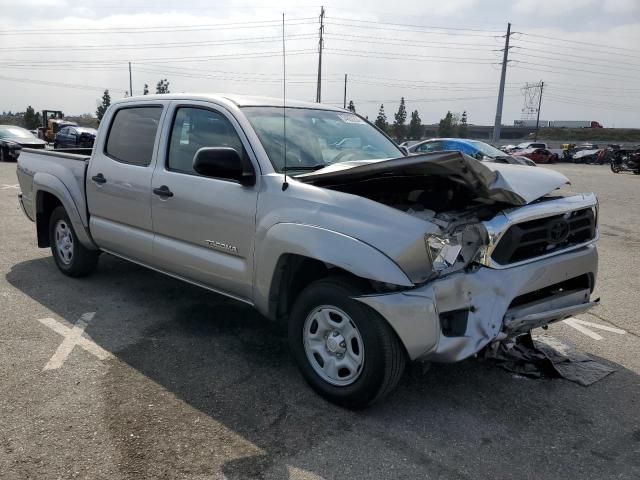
x=454 y=316
x=521 y=257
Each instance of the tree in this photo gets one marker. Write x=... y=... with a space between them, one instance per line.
x=162 y=86
x=351 y=106
x=447 y=126
x=415 y=126
x=381 y=120
x=400 y=117
x=146 y=89
x=102 y=108
x=462 y=127
x=31 y=119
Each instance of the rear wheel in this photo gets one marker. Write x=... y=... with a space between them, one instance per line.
x=71 y=257
x=347 y=353
x=3 y=155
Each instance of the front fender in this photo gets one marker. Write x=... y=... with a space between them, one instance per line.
x=324 y=245
x=45 y=182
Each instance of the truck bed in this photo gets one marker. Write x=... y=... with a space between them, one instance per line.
x=51 y=170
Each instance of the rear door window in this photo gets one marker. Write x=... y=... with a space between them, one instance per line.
x=132 y=134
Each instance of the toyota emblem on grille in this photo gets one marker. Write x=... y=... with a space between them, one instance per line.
x=558 y=231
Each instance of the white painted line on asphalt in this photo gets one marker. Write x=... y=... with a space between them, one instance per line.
x=581 y=326
x=619 y=331
x=4 y=186
x=572 y=323
x=72 y=337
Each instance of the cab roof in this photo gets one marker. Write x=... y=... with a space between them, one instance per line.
x=233 y=99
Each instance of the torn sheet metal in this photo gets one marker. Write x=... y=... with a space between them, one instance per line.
x=546 y=356
x=510 y=184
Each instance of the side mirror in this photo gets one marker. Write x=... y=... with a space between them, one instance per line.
x=222 y=162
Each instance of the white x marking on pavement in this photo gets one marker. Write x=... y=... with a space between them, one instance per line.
x=581 y=326
x=4 y=186
x=72 y=337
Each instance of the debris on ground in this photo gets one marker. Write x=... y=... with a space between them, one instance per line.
x=545 y=356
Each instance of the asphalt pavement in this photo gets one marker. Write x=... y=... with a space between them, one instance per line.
x=129 y=374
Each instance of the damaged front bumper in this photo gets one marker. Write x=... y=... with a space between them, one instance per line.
x=454 y=317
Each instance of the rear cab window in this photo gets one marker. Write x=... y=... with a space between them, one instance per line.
x=132 y=134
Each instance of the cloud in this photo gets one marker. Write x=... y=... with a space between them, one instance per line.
x=551 y=7
x=621 y=6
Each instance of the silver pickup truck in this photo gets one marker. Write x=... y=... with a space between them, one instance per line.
x=317 y=219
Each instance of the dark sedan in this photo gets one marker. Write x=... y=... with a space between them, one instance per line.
x=13 y=139
x=75 y=137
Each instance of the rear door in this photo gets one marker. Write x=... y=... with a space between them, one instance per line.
x=205 y=230
x=119 y=180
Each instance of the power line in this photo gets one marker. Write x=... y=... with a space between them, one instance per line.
x=119 y=46
x=404 y=29
x=615 y=75
x=428 y=27
x=558 y=39
x=60 y=84
x=405 y=43
x=141 y=30
x=402 y=56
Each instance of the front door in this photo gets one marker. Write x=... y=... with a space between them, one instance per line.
x=204 y=227
x=119 y=182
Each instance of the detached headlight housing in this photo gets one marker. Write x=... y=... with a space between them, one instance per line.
x=453 y=251
x=443 y=251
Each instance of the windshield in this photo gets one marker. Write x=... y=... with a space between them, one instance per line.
x=488 y=150
x=317 y=138
x=16 y=132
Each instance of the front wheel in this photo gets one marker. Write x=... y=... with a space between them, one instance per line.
x=347 y=353
x=72 y=258
x=615 y=168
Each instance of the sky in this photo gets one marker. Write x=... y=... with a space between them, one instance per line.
x=439 y=55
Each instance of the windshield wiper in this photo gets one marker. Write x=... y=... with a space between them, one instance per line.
x=304 y=168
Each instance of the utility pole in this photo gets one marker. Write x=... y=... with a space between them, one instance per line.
x=505 y=56
x=130 y=82
x=320 y=47
x=535 y=137
x=344 y=102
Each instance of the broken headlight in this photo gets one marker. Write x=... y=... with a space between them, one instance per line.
x=443 y=251
x=455 y=250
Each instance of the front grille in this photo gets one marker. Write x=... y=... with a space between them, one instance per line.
x=527 y=240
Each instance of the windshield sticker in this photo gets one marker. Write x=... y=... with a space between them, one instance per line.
x=350 y=118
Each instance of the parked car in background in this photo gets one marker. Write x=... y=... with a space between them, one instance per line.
x=75 y=137
x=13 y=139
x=539 y=155
x=529 y=145
x=474 y=148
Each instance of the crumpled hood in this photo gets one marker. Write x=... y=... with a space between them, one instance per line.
x=513 y=184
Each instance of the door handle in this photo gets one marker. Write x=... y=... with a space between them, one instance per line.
x=99 y=178
x=163 y=191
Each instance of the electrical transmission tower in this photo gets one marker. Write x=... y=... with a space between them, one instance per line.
x=532 y=93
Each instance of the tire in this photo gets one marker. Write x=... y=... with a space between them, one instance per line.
x=369 y=344
x=615 y=168
x=72 y=258
x=55 y=146
x=3 y=155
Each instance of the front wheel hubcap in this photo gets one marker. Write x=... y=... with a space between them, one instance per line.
x=333 y=345
x=64 y=242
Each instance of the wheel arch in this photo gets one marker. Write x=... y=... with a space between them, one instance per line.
x=49 y=193
x=290 y=256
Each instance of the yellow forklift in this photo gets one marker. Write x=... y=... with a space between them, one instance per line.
x=52 y=122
